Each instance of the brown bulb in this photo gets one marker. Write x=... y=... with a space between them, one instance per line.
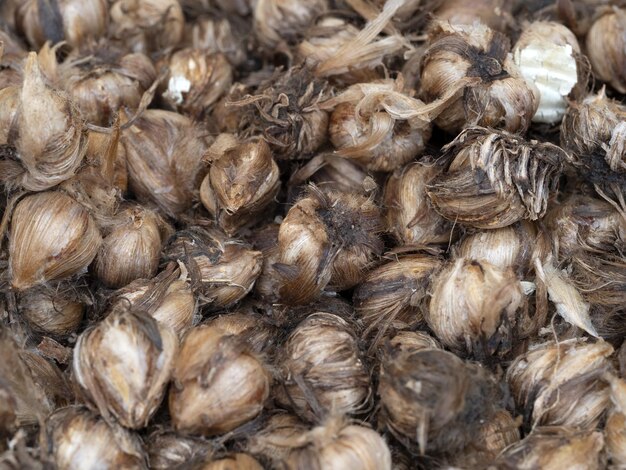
x=222 y=269
x=475 y=60
x=561 y=384
x=167 y=450
x=217 y=384
x=108 y=157
x=131 y=249
x=123 y=365
x=232 y=462
x=164 y=152
x=328 y=238
x=10 y=102
x=606 y=48
x=493 y=13
x=265 y=239
x=8 y=420
x=77 y=437
x=224 y=35
x=412 y=341
x=254 y=329
x=408 y=211
x=274 y=440
x=47 y=375
x=393 y=295
x=147 y=25
x=242 y=181
x=496 y=179
x=277 y=21
x=322 y=369
x=52 y=237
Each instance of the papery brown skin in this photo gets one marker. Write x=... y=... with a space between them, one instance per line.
x=110 y=156
x=277 y=21
x=606 y=46
x=217 y=384
x=322 y=369
x=48 y=377
x=254 y=329
x=8 y=420
x=74 y=21
x=148 y=25
x=10 y=101
x=232 y=462
x=413 y=341
x=132 y=248
x=408 y=212
x=167 y=450
x=562 y=384
x=164 y=151
x=494 y=13
x=223 y=35
x=265 y=239
x=444 y=412
x=76 y=437
x=123 y=365
x=276 y=438
x=393 y=295
x=52 y=237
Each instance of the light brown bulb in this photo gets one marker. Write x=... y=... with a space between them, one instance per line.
x=412 y=341
x=167 y=450
x=254 y=329
x=265 y=239
x=47 y=375
x=10 y=102
x=52 y=237
x=496 y=179
x=109 y=157
x=218 y=385
x=322 y=369
x=408 y=212
x=164 y=152
x=74 y=21
x=561 y=384
x=131 y=249
x=242 y=181
x=232 y=462
x=277 y=21
x=393 y=295
x=147 y=25
x=123 y=365
x=224 y=35
x=476 y=60
x=77 y=438
x=275 y=439
x=494 y=13
x=606 y=46
x=222 y=269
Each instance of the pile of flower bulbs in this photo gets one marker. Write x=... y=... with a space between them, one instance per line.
x=312 y=234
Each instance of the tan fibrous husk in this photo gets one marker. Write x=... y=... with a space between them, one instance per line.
x=123 y=364
x=432 y=401
x=606 y=48
x=495 y=14
x=132 y=247
x=12 y=53
x=236 y=461
x=192 y=8
x=52 y=237
x=393 y=295
x=197 y=78
x=74 y=21
x=164 y=155
x=167 y=450
x=284 y=110
x=554 y=448
x=147 y=25
x=562 y=384
x=265 y=240
x=548 y=55
x=47 y=375
x=242 y=181
x=328 y=238
x=253 y=328
x=74 y=436
x=475 y=60
x=8 y=420
x=273 y=441
x=413 y=341
x=108 y=157
x=219 y=35
x=222 y=269
x=615 y=427
x=496 y=179
x=280 y=21
x=408 y=211
x=54 y=308
x=10 y=102
x=218 y=384
x=322 y=370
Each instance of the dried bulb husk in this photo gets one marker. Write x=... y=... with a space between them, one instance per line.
x=277 y=21
x=132 y=248
x=554 y=448
x=378 y=125
x=8 y=420
x=218 y=384
x=9 y=105
x=265 y=239
x=224 y=35
x=432 y=401
x=167 y=450
x=197 y=78
x=254 y=329
x=147 y=25
x=123 y=365
x=408 y=210
x=242 y=181
x=109 y=161
x=606 y=48
x=52 y=237
x=475 y=307
x=237 y=461
x=412 y=341
x=561 y=384
x=548 y=55
x=54 y=309
x=49 y=378
x=496 y=179
x=222 y=269
x=75 y=22
x=327 y=238
x=272 y=441
x=77 y=437
x=615 y=427
x=164 y=153
x=322 y=369
x=475 y=60
x=393 y=295
x=493 y=13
